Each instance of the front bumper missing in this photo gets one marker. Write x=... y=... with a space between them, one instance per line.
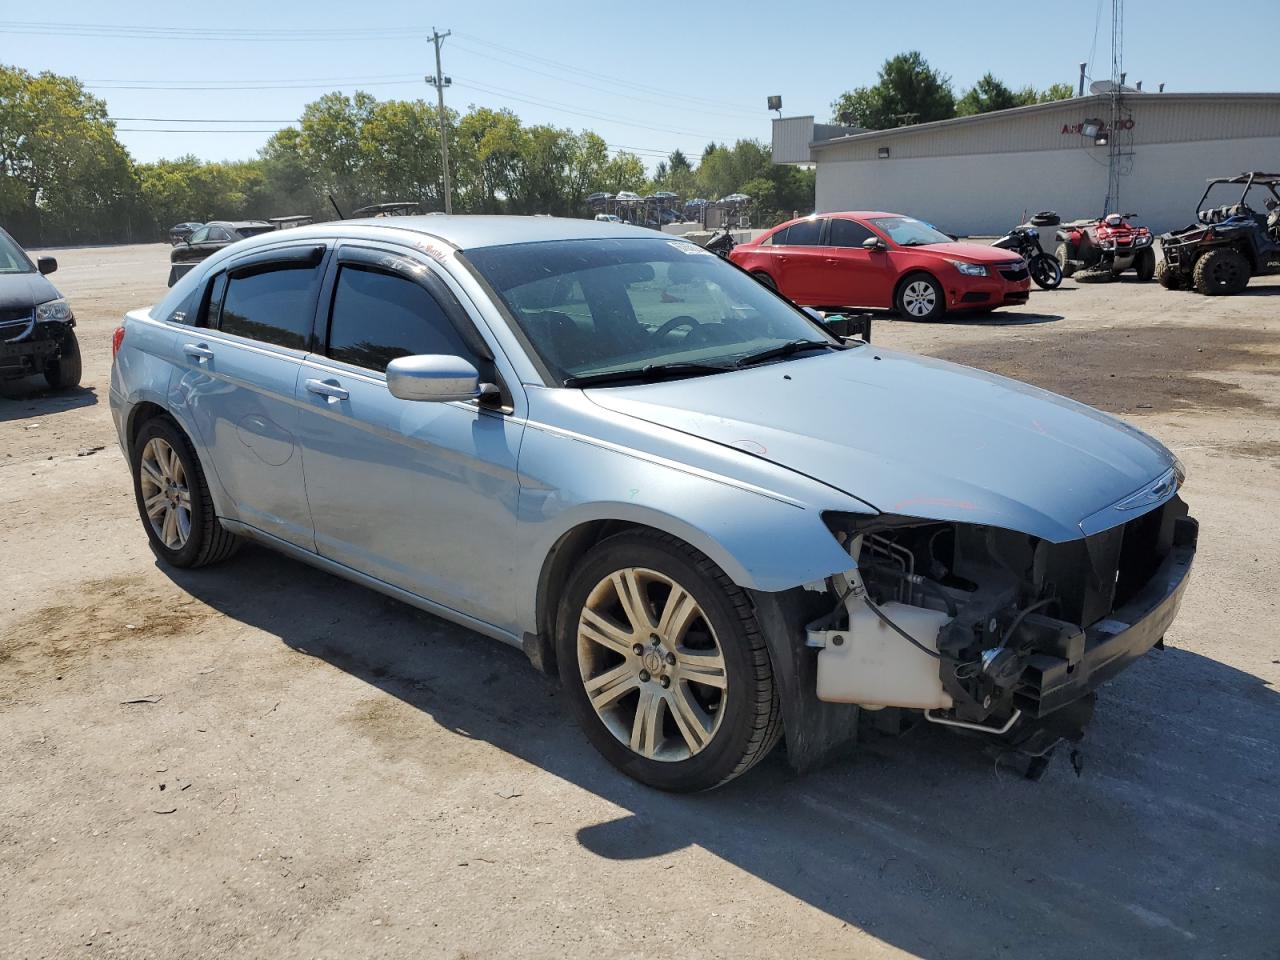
x=1050 y=682
x=33 y=350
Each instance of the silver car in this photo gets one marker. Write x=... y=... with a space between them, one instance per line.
x=719 y=523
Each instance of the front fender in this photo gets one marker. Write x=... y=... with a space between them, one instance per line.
x=763 y=540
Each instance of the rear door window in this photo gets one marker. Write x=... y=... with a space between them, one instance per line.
x=378 y=316
x=273 y=304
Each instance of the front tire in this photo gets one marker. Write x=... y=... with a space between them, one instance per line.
x=1145 y=264
x=1221 y=272
x=765 y=279
x=173 y=498
x=665 y=665
x=920 y=297
x=1045 y=271
x=1167 y=277
x=63 y=371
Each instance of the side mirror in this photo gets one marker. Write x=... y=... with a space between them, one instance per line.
x=46 y=264
x=435 y=378
x=874 y=243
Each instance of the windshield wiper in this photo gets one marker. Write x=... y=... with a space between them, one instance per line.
x=788 y=349
x=654 y=371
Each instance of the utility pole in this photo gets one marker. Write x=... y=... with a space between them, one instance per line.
x=440 y=81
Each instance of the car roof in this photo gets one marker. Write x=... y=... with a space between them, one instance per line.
x=470 y=232
x=853 y=214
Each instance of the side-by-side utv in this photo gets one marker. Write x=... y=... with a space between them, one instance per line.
x=1226 y=245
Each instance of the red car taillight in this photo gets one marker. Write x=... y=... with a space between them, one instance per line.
x=117 y=339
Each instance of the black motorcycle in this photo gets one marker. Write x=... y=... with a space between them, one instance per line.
x=721 y=243
x=1025 y=240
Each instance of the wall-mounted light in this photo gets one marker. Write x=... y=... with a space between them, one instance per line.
x=882 y=153
x=1091 y=128
x=1100 y=140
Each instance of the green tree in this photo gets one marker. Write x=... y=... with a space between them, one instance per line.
x=64 y=177
x=491 y=145
x=1056 y=91
x=908 y=91
x=990 y=94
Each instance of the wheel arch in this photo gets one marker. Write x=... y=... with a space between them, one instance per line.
x=914 y=272
x=146 y=408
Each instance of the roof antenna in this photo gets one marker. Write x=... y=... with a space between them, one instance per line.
x=337 y=208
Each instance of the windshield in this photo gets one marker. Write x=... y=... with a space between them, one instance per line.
x=12 y=259
x=906 y=232
x=596 y=307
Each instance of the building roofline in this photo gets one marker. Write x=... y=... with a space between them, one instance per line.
x=1099 y=99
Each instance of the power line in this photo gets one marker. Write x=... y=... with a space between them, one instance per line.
x=671 y=94
x=736 y=113
x=221 y=34
x=190 y=130
x=565 y=108
x=192 y=120
x=280 y=86
x=267 y=82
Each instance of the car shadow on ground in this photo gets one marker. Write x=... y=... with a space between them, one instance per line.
x=1166 y=846
x=999 y=318
x=31 y=397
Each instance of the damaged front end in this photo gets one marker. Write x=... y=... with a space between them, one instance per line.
x=993 y=630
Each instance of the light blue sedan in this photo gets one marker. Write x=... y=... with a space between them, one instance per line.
x=721 y=524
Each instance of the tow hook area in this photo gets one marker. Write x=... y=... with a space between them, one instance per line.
x=1030 y=745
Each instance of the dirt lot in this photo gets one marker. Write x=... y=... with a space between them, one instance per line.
x=261 y=760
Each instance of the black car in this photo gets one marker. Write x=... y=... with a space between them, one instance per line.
x=181 y=231
x=209 y=239
x=36 y=334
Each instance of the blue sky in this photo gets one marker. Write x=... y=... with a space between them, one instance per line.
x=649 y=77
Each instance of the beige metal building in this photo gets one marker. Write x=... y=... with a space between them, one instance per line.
x=979 y=175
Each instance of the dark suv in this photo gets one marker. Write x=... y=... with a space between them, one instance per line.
x=36 y=334
x=208 y=239
x=1228 y=244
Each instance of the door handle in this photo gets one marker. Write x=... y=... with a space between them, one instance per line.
x=197 y=350
x=328 y=388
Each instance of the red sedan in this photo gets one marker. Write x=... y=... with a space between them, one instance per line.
x=870 y=259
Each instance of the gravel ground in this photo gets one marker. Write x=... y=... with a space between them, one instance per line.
x=261 y=760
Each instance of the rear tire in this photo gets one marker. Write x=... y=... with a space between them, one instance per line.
x=1167 y=277
x=63 y=371
x=1145 y=264
x=1063 y=254
x=173 y=498
x=1221 y=272
x=920 y=297
x=703 y=660
x=1045 y=271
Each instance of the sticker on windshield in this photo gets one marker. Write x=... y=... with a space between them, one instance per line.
x=684 y=246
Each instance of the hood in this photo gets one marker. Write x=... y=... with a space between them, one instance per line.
x=915 y=437
x=972 y=252
x=21 y=291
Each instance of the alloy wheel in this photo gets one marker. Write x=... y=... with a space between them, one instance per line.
x=166 y=497
x=651 y=664
x=919 y=298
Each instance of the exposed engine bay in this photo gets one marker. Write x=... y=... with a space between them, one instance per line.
x=981 y=627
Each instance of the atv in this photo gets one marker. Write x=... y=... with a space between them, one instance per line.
x=1227 y=245
x=1106 y=247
